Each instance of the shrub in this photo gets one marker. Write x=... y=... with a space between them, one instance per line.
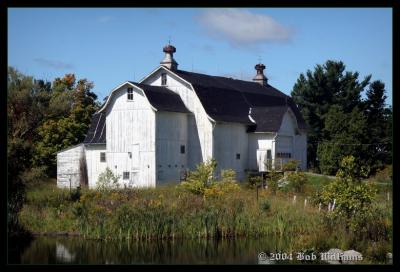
x=107 y=181
x=228 y=175
x=291 y=165
x=353 y=198
x=34 y=175
x=297 y=181
x=254 y=181
x=200 y=179
x=272 y=181
x=265 y=205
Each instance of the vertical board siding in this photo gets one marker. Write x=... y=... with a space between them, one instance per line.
x=131 y=123
x=68 y=167
x=171 y=133
x=259 y=143
x=94 y=166
x=200 y=128
x=231 y=139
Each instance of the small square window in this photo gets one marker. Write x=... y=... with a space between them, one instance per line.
x=130 y=94
x=163 y=79
x=102 y=156
x=237 y=156
x=182 y=149
x=125 y=175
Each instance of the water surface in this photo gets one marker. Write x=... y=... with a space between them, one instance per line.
x=76 y=250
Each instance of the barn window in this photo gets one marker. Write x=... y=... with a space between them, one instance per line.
x=163 y=79
x=237 y=156
x=182 y=149
x=130 y=94
x=102 y=156
x=125 y=175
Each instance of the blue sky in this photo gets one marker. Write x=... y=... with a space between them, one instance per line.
x=111 y=45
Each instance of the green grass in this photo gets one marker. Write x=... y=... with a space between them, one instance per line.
x=170 y=213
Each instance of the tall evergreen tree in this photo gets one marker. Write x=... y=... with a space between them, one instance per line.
x=318 y=91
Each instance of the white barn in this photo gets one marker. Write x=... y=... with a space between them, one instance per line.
x=151 y=132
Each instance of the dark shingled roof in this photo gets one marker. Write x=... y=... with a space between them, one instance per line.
x=162 y=98
x=230 y=100
x=270 y=124
x=97 y=130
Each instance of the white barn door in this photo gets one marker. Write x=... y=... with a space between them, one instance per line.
x=135 y=165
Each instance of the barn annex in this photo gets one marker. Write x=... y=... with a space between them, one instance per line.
x=151 y=132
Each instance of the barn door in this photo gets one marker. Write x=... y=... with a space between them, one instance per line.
x=134 y=165
x=135 y=157
x=261 y=160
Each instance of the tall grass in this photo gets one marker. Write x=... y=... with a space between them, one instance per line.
x=170 y=213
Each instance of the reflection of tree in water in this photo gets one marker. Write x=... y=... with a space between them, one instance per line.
x=76 y=250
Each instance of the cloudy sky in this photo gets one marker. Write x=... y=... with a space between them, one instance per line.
x=109 y=45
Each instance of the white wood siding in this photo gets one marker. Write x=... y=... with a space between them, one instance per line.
x=259 y=143
x=199 y=126
x=94 y=166
x=68 y=166
x=171 y=134
x=231 y=139
x=131 y=126
x=291 y=139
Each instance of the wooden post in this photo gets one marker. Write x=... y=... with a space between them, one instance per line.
x=294 y=199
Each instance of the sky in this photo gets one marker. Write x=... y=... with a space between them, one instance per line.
x=109 y=46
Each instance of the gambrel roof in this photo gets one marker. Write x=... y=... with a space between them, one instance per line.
x=230 y=100
x=160 y=98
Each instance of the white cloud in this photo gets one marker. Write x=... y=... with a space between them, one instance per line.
x=56 y=64
x=241 y=27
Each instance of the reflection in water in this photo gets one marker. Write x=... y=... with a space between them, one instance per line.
x=63 y=255
x=59 y=250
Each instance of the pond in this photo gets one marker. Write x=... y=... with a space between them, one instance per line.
x=76 y=250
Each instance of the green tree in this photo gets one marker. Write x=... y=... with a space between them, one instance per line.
x=317 y=91
x=345 y=135
x=378 y=118
x=70 y=110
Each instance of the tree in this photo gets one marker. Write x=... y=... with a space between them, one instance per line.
x=70 y=111
x=316 y=92
x=345 y=134
x=378 y=117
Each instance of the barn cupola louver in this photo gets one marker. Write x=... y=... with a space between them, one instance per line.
x=168 y=60
x=260 y=77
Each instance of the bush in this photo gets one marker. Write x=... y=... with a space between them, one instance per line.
x=291 y=165
x=272 y=181
x=254 y=181
x=265 y=205
x=107 y=181
x=228 y=175
x=34 y=175
x=353 y=198
x=200 y=179
x=297 y=181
